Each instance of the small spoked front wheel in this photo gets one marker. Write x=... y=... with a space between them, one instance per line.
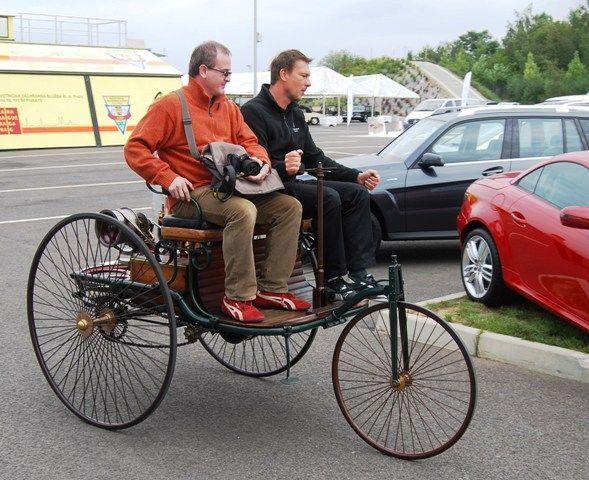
x=101 y=320
x=256 y=355
x=428 y=407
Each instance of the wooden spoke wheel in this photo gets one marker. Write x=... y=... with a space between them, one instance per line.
x=101 y=320
x=429 y=406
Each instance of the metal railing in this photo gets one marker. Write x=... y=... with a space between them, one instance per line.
x=69 y=30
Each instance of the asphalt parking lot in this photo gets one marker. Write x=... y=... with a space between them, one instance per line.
x=214 y=424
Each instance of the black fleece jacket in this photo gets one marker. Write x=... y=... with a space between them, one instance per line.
x=280 y=131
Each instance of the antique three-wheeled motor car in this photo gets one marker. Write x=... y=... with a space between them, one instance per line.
x=111 y=296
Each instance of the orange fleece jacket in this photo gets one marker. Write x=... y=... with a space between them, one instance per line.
x=161 y=131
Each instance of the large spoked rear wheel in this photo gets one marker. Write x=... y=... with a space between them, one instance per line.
x=101 y=320
x=430 y=406
x=256 y=355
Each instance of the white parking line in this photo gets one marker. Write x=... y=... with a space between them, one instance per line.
x=56 y=217
x=83 y=165
x=81 y=185
x=92 y=152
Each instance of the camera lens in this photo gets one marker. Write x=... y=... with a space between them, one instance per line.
x=243 y=164
x=250 y=167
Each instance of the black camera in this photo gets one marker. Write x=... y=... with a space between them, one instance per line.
x=243 y=164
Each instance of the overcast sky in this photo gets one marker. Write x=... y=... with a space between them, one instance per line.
x=368 y=28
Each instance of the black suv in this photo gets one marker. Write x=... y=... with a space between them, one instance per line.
x=359 y=113
x=426 y=170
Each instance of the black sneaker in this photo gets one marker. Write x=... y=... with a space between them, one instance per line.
x=339 y=290
x=367 y=281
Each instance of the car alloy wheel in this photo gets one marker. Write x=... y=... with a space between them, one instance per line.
x=481 y=268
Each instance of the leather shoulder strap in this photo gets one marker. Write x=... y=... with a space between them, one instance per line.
x=187 y=122
x=221 y=182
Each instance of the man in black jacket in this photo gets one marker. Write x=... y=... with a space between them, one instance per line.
x=280 y=126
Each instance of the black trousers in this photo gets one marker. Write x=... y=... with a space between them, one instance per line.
x=347 y=229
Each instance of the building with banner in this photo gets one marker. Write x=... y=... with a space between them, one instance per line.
x=61 y=95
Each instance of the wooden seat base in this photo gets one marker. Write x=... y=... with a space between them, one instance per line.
x=192 y=235
x=211 y=234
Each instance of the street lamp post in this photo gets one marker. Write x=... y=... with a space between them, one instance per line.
x=257 y=39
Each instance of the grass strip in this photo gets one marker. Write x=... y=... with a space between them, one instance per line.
x=520 y=318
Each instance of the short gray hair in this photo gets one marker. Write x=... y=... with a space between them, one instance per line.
x=205 y=54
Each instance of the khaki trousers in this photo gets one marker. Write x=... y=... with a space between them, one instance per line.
x=238 y=215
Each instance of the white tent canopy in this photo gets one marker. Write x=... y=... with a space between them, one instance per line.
x=242 y=84
x=380 y=85
x=325 y=82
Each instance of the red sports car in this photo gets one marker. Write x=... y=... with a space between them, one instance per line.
x=529 y=232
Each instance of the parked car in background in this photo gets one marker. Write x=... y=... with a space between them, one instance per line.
x=429 y=106
x=529 y=233
x=571 y=100
x=426 y=170
x=360 y=113
x=311 y=117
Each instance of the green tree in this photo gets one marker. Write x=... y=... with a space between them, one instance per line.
x=462 y=63
x=579 y=20
x=530 y=68
x=576 y=78
x=349 y=64
x=551 y=42
x=476 y=44
x=341 y=61
x=576 y=70
x=538 y=57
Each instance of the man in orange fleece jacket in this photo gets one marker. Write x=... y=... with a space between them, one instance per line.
x=216 y=118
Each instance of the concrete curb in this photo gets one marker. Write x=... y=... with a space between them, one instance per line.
x=534 y=356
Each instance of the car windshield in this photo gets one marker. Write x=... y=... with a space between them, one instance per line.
x=406 y=143
x=429 y=105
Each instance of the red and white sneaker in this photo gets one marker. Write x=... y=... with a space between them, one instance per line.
x=241 y=311
x=281 y=301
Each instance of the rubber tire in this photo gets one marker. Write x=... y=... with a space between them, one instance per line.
x=314 y=121
x=109 y=379
x=433 y=409
x=495 y=292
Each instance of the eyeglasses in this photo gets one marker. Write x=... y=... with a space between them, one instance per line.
x=225 y=73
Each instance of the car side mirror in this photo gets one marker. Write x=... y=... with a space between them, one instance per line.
x=429 y=160
x=575 y=217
